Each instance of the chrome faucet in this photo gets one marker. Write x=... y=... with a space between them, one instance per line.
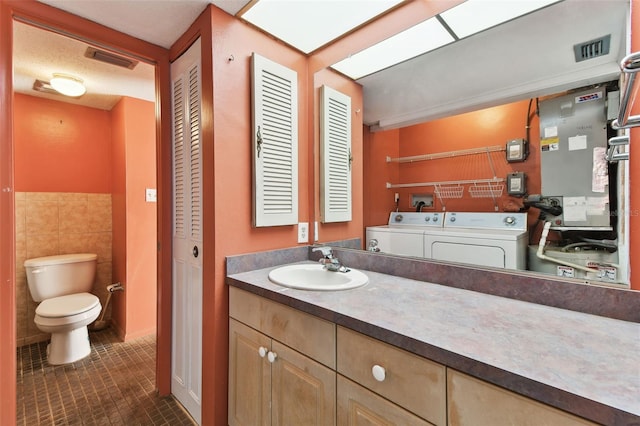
x=330 y=262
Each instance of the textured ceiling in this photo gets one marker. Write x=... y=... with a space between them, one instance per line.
x=160 y=22
x=527 y=57
x=39 y=53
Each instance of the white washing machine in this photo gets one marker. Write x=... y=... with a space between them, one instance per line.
x=404 y=234
x=486 y=239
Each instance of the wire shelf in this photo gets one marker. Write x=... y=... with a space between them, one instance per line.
x=449 y=191
x=489 y=190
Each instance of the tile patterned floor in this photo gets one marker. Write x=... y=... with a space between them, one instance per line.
x=112 y=386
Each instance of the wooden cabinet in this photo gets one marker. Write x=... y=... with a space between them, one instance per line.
x=412 y=382
x=287 y=367
x=358 y=406
x=303 y=392
x=249 y=376
x=474 y=402
x=275 y=381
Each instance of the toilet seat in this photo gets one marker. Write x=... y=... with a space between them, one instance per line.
x=67 y=310
x=64 y=306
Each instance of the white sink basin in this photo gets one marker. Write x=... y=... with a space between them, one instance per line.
x=315 y=277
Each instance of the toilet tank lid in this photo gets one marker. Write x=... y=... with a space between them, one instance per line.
x=61 y=258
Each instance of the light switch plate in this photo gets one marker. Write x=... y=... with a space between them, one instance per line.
x=151 y=195
x=303 y=232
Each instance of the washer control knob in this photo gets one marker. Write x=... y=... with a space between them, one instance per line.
x=435 y=218
x=510 y=220
x=427 y=219
x=452 y=219
x=398 y=218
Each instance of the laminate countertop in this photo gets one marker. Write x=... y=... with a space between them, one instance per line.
x=581 y=363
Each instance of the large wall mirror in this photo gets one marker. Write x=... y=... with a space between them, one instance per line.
x=510 y=124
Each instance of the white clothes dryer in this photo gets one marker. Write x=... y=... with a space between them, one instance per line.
x=485 y=239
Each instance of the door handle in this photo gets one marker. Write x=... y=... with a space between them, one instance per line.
x=195 y=251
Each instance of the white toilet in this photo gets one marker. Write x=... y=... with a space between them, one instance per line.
x=62 y=284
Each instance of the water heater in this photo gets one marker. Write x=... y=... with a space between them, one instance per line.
x=573 y=168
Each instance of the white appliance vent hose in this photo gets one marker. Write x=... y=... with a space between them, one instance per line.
x=541 y=255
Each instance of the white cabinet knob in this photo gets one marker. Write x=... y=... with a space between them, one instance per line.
x=262 y=351
x=379 y=373
x=271 y=356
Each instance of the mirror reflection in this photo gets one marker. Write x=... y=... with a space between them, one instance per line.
x=509 y=168
x=546 y=200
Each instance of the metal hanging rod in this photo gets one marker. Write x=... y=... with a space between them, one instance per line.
x=450 y=182
x=450 y=154
x=630 y=65
x=615 y=145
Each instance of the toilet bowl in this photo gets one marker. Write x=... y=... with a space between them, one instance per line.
x=66 y=318
x=61 y=284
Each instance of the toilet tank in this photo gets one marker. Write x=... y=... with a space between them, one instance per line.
x=53 y=276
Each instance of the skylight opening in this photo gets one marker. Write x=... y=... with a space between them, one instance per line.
x=415 y=41
x=473 y=16
x=465 y=19
x=310 y=24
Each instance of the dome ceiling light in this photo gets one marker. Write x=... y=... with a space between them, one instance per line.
x=68 y=85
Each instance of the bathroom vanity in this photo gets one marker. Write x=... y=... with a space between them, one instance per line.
x=409 y=352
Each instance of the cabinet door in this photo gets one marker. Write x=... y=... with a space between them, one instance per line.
x=303 y=392
x=358 y=406
x=477 y=403
x=249 y=377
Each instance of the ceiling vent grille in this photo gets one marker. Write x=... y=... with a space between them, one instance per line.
x=592 y=49
x=110 y=58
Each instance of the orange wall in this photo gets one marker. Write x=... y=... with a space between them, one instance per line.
x=378 y=200
x=231 y=214
x=232 y=136
x=134 y=219
x=479 y=129
x=98 y=151
x=61 y=147
x=227 y=175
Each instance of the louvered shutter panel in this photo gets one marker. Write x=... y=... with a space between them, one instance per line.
x=275 y=143
x=336 y=158
x=178 y=160
x=194 y=152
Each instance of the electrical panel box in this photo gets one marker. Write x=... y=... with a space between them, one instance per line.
x=573 y=168
x=517 y=150
x=517 y=184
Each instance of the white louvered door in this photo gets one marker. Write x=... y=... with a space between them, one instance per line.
x=335 y=156
x=275 y=143
x=186 y=366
